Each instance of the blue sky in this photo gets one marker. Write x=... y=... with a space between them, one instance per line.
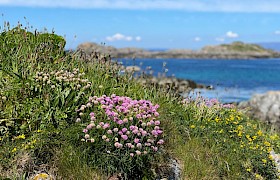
x=189 y=24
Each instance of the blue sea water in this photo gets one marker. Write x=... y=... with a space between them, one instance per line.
x=233 y=80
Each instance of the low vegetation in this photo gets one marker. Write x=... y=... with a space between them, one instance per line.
x=75 y=116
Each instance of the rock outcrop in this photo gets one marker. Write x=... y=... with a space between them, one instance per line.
x=236 y=50
x=265 y=107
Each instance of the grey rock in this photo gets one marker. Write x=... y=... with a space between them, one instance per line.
x=265 y=107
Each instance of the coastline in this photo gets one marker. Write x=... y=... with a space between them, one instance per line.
x=236 y=50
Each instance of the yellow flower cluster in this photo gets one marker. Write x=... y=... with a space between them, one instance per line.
x=243 y=135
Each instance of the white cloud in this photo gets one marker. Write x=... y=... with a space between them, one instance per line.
x=231 y=34
x=277 y=32
x=190 y=5
x=197 y=39
x=219 y=39
x=121 y=37
x=138 y=38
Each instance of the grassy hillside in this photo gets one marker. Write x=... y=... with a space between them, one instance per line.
x=78 y=117
x=238 y=47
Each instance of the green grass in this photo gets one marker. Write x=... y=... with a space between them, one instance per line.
x=38 y=131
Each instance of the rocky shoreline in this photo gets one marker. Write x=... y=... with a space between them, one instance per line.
x=236 y=50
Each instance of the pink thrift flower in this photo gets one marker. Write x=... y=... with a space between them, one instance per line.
x=128 y=145
x=85 y=130
x=90 y=126
x=157 y=123
x=135 y=131
x=154 y=132
x=156 y=114
x=156 y=128
x=125 y=120
x=124 y=137
x=132 y=128
x=115 y=129
x=131 y=154
x=138 y=152
x=109 y=131
x=120 y=133
x=147 y=144
x=139 y=145
x=106 y=125
x=144 y=133
x=91 y=114
x=78 y=120
x=145 y=152
x=159 y=132
x=155 y=149
x=161 y=141
x=136 y=140
x=92 y=140
x=124 y=130
x=120 y=122
x=86 y=136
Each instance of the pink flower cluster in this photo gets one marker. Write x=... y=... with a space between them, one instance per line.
x=122 y=124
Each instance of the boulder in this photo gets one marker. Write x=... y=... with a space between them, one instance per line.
x=265 y=107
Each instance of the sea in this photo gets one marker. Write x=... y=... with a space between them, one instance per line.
x=232 y=80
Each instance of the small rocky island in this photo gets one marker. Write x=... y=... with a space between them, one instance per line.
x=235 y=50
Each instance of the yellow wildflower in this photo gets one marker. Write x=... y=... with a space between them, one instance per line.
x=192 y=126
x=267 y=143
x=239 y=134
x=258 y=176
x=14 y=150
x=260 y=133
x=240 y=127
x=20 y=137
x=264 y=160
x=248 y=169
x=217 y=119
x=274 y=137
x=238 y=117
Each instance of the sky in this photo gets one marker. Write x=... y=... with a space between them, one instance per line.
x=149 y=24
